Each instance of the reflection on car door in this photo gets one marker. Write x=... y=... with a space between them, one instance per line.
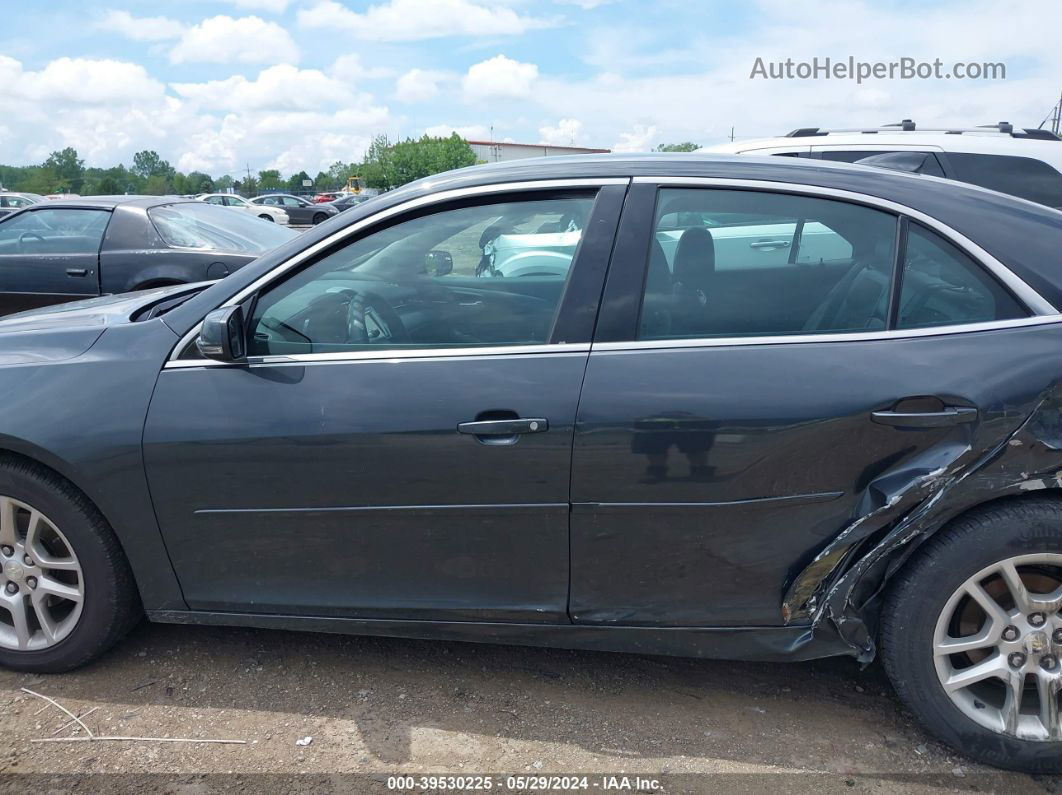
x=403 y=482
x=708 y=467
x=49 y=255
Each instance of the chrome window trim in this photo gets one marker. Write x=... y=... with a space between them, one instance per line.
x=805 y=339
x=391 y=355
x=1032 y=300
x=412 y=204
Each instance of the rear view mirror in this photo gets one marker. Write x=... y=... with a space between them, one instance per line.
x=438 y=263
x=222 y=336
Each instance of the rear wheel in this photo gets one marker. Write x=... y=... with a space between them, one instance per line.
x=972 y=635
x=66 y=591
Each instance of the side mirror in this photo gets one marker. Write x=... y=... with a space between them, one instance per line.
x=222 y=336
x=438 y=263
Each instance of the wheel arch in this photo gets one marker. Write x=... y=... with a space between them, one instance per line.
x=145 y=573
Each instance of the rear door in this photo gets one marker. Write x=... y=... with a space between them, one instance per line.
x=49 y=255
x=726 y=435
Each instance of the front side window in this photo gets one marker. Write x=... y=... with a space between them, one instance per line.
x=942 y=286
x=471 y=276
x=1025 y=177
x=750 y=263
x=54 y=231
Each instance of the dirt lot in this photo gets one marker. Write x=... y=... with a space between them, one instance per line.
x=375 y=707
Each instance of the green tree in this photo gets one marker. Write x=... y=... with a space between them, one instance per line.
x=685 y=146
x=198 y=182
x=158 y=185
x=269 y=180
x=223 y=183
x=323 y=181
x=147 y=163
x=295 y=182
x=389 y=165
x=68 y=170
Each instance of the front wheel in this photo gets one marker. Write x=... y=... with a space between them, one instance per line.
x=267 y=218
x=66 y=591
x=972 y=635
x=319 y=218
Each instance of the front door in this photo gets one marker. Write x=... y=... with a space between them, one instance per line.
x=399 y=444
x=750 y=413
x=49 y=255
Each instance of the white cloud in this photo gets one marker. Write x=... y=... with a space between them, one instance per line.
x=418 y=85
x=499 y=77
x=79 y=81
x=410 y=20
x=638 y=139
x=141 y=28
x=268 y=6
x=278 y=87
x=568 y=132
x=349 y=67
x=470 y=132
x=223 y=39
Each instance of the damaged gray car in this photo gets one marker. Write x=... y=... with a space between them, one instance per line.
x=725 y=407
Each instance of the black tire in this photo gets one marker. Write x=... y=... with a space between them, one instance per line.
x=319 y=217
x=269 y=218
x=919 y=593
x=111 y=605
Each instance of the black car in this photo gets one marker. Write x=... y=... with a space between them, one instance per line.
x=299 y=210
x=768 y=410
x=346 y=202
x=72 y=249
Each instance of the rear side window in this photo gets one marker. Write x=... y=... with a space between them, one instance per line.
x=749 y=263
x=942 y=286
x=198 y=225
x=1025 y=177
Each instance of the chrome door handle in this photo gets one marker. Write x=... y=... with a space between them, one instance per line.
x=77 y=271
x=762 y=244
x=953 y=415
x=504 y=427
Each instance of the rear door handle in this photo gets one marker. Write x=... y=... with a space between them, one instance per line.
x=953 y=415
x=77 y=271
x=511 y=427
x=769 y=244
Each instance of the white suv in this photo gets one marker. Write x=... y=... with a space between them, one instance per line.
x=1021 y=162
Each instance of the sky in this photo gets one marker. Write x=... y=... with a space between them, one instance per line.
x=225 y=85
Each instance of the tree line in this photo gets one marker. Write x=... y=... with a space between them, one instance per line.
x=385 y=165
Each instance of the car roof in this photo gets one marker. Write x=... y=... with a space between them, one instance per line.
x=110 y=202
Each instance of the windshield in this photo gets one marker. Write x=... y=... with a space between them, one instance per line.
x=209 y=228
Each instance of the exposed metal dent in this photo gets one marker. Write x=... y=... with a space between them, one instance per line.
x=840 y=590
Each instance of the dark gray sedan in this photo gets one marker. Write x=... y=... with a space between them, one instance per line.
x=300 y=211
x=736 y=407
x=71 y=249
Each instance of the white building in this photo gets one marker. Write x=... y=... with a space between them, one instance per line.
x=498 y=151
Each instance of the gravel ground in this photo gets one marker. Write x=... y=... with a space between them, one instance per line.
x=375 y=707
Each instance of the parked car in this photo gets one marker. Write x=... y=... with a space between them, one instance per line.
x=1021 y=162
x=274 y=214
x=321 y=198
x=10 y=201
x=671 y=448
x=348 y=201
x=299 y=210
x=59 y=251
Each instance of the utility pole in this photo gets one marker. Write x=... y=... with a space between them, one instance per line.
x=731 y=135
x=1057 y=121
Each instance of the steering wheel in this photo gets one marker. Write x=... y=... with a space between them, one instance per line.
x=371 y=320
x=24 y=235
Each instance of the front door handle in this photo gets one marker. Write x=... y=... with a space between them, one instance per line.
x=952 y=415
x=772 y=244
x=508 y=427
x=77 y=271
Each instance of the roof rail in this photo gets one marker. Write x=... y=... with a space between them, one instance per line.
x=1003 y=128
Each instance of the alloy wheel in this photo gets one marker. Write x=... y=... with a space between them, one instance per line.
x=41 y=584
x=998 y=647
